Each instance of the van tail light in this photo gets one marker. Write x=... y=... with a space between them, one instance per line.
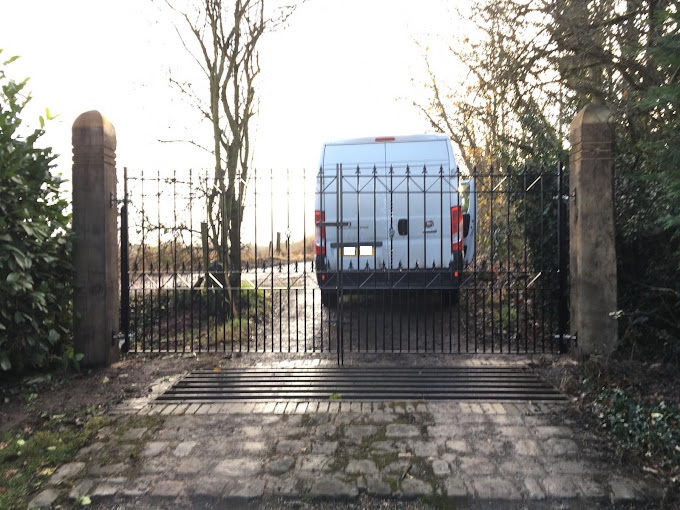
x=456 y=229
x=320 y=233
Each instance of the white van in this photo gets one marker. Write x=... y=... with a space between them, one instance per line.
x=400 y=219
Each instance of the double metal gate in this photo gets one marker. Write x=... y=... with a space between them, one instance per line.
x=176 y=295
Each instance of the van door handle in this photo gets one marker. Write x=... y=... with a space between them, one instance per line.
x=334 y=224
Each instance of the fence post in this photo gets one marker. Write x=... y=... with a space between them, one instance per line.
x=592 y=259
x=95 y=251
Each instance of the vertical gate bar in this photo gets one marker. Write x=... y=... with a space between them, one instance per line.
x=200 y=319
x=158 y=238
x=143 y=246
x=526 y=265
x=375 y=260
x=136 y=321
x=408 y=257
x=491 y=257
x=508 y=269
x=288 y=253
x=304 y=260
x=256 y=264
x=174 y=252
x=561 y=262
x=339 y=268
x=190 y=301
x=125 y=267
x=271 y=254
x=297 y=322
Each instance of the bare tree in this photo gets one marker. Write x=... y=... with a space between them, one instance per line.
x=223 y=38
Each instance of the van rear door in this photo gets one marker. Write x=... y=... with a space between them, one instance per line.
x=363 y=241
x=422 y=188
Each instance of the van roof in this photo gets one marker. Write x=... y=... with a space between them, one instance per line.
x=392 y=139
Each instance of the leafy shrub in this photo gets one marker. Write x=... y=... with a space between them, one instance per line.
x=35 y=241
x=653 y=430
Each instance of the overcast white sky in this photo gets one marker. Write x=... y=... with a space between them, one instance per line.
x=340 y=69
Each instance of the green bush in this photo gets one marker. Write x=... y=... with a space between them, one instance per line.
x=651 y=430
x=35 y=241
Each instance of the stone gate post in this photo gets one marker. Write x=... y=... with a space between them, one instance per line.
x=592 y=257
x=95 y=254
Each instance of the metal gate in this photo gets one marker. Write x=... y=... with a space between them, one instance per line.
x=176 y=296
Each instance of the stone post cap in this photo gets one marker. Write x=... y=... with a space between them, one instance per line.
x=591 y=115
x=92 y=129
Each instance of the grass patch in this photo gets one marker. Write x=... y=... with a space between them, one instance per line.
x=28 y=457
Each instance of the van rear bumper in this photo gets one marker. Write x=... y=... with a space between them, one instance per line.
x=370 y=280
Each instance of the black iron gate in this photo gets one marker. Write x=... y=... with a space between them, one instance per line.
x=512 y=297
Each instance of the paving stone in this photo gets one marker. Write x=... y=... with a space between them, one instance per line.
x=154 y=448
x=247 y=489
x=325 y=447
x=313 y=463
x=91 y=450
x=184 y=448
x=358 y=432
x=527 y=447
x=80 y=489
x=559 y=487
x=333 y=488
x=457 y=446
x=523 y=466
x=66 y=472
x=440 y=467
x=533 y=489
x=622 y=490
x=238 y=467
x=361 y=467
x=284 y=486
x=477 y=465
x=106 y=489
x=449 y=431
x=254 y=446
x=385 y=446
x=134 y=434
x=424 y=448
x=44 y=499
x=397 y=467
x=455 y=488
x=136 y=489
x=291 y=446
x=560 y=447
x=490 y=447
x=107 y=469
x=280 y=466
x=209 y=488
x=376 y=486
x=400 y=430
x=572 y=467
x=415 y=488
x=167 y=489
x=588 y=487
x=495 y=488
x=548 y=432
x=190 y=466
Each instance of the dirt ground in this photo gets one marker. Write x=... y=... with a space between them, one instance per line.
x=24 y=401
